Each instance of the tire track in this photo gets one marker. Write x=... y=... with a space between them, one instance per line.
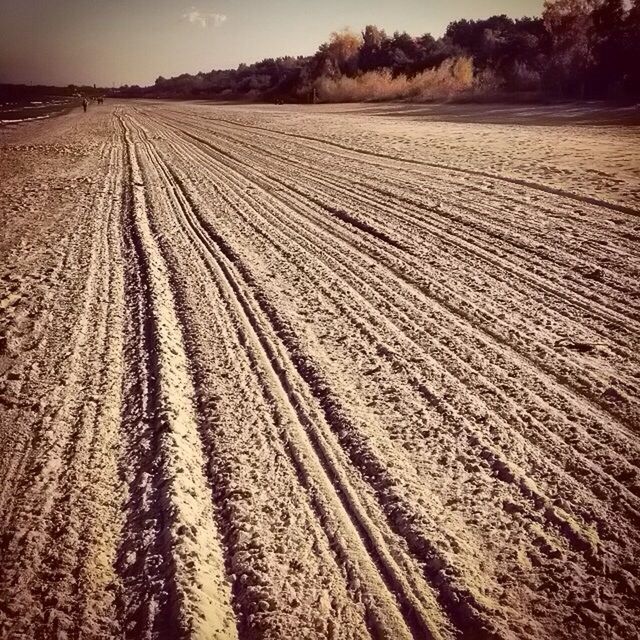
x=565 y=370
x=380 y=284
x=587 y=546
x=318 y=465
x=567 y=210
x=517 y=181
x=423 y=217
x=450 y=236
x=193 y=598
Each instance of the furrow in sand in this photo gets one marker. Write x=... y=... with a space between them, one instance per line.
x=426 y=216
x=372 y=204
x=431 y=220
x=622 y=351
x=316 y=456
x=552 y=362
x=379 y=285
x=528 y=489
x=484 y=174
x=546 y=437
x=275 y=548
x=426 y=209
x=442 y=183
x=493 y=324
x=501 y=206
x=193 y=597
x=464 y=607
x=64 y=518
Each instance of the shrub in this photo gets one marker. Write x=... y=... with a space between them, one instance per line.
x=452 y=78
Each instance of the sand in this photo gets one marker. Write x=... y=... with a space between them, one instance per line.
x=296 y=372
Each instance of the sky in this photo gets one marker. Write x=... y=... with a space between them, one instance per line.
x=115 y=42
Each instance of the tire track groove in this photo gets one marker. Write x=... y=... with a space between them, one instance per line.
x=197 y=603
x=272 y=357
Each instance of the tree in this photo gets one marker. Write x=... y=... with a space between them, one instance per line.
x=480 y=38
x=631 y=48
x=403 y=53
x=570 y=26
x=342 y=51
x=372 y=53
x=608 y=46
x=373 y=38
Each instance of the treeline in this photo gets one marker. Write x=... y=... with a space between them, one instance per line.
x=576 y=49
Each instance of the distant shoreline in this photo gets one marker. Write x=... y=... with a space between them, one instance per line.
x=19 y=111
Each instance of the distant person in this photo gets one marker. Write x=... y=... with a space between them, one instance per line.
x=85 y=104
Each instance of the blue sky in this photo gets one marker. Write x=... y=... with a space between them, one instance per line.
x=133 y=41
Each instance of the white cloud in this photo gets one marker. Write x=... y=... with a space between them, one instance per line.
x=204 y=18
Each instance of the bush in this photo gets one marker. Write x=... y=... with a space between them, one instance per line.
x=452 y=78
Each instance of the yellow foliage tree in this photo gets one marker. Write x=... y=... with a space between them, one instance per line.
x=342 y=50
